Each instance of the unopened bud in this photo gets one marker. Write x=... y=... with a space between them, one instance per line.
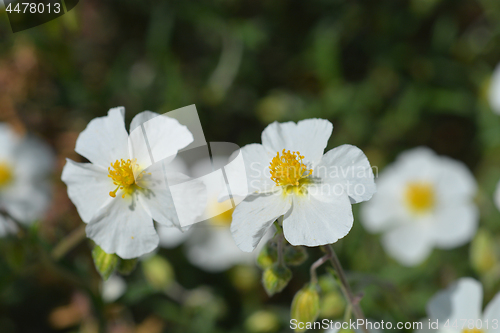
x=276 y=278
x=158 y=272
x=262 y=322
x=295 y=255
x=305 y=306
x=268 y=255
x=105 y=263
x=482 y=252
x=127 y=266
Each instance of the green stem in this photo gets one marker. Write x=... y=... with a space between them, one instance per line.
x=68 y=243
x=314 y=267
x=280 y=240
x=352 y=300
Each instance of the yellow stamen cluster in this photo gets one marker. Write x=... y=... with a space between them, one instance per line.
x=420 y=196
x=6 y=174
x=288 y=168
x=123 y=176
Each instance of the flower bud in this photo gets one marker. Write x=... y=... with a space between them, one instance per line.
x=158 y=272
x=127 y=266
x=262 y=322
x=105 y=263
x=295 y=255
x=276 y=278
x=305 y=306
x=268 y=255
x=482 y=252
x=332 y=305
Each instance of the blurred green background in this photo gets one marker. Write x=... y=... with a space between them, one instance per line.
x=389 y=74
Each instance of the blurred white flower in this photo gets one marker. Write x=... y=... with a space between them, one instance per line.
x=423 y=201
x=496 y=196
x=288 y=175
x=25 y=192
x=113 y=288
x=209 y=245
x=494 y=90
x=459 y=309
x=120 y=193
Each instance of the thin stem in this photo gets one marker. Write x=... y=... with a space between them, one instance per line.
x=315 y=265
x=68 y=243
x=346 y=288
x=281 y=259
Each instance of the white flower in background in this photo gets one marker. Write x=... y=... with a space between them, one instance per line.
x=25 y=163
x=423 y=201
x=113 y=288
x=496 y=196
x=209 y=245
x=117 y=194
x=458 y=309
x=288 y=175
x=494 y=90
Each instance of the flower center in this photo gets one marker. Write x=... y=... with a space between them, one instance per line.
x=420 y=197
x=6 y=174
x=122 y=174
x=288 y=168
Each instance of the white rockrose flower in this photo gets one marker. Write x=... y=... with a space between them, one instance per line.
x=288 y=175
x=25 y=192
x=494 y=90
x=423 y=201
x=124 y=189
x=458 y=309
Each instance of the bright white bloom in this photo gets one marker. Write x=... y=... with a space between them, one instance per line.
x=113 y=288
x=458 y=309
x=25 y=163
x=120 y=192
x=423 y=201
x=494 y=90
x=288 y=175
x=209 y=245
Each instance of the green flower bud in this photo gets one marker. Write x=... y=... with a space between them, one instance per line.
x=262 y=322
x=268 y=255
x=127 y=266
x=245 y=277
x=158 y=272
x=482 y=252
x=105 y=263
x=276 y=278
x=305 y=306
x=332 y=305
x=295 y=255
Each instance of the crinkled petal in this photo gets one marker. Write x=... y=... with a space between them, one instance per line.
x=461 y=300
x=309 y=137
x=348 y=167
x=409 y=244
x=172 y=199
x=155 y=137
x=123 y=227
x=455 y=224
x=322 y=217
x=252 y=218
x=88 y=187
x=105 y=139
x=492 y=312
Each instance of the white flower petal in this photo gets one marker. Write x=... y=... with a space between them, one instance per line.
x=156 y=137
x=252 y=218
x=461 y=300
x=33 y=158
x=455 y=181
x=455 y=224
x=171 y=237
x=7 y=226
x=114 y=287
x=348 y=166
x=319 y=218
x=9 y=139
x=492 y=312
x=88 y=187
x=494 y=90
x=105 y=139
x=123 y=227
x=26 y=201
x=496 y=197
x=309 y=137
x=172 y=199
x=409 y=244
